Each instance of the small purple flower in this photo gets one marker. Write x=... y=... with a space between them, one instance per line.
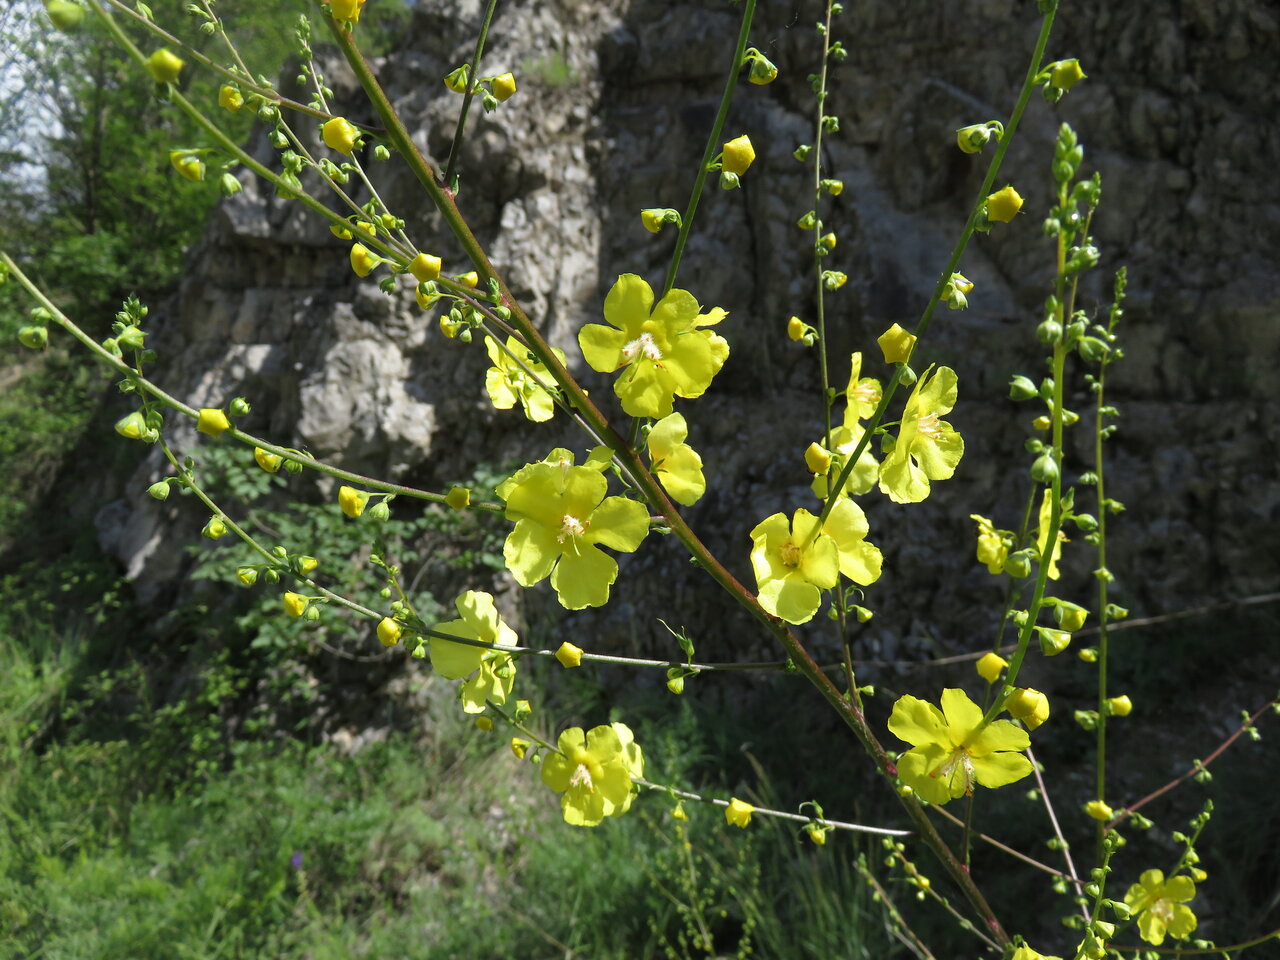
x=296 y=860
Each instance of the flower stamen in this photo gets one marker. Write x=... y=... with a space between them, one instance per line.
x=571 y=526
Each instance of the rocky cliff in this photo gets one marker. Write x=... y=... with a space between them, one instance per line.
x=614 y=105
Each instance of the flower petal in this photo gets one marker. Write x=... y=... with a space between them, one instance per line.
x=914 y=768
x=628 y=304
x=792 y=598
x=619 y=523
x=1000 y=769
x=530 y=552
x=455 y=660
x=918 y=722
x=602 y=347
x=963 y=715
x=1000 y=735
x=583 y=579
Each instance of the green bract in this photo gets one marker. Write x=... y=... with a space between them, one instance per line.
x=593 y=770
x=506 y=381
x=489 y=674
x=793 y=566
x=951 y=749
x=927 y=448
x=561 y=514
x=664 y=349
x=676 y=464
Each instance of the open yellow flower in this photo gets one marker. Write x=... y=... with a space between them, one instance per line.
x=676 y=464
x=506 y=381
x=488 y=674
x=1161 y=906
x=593 y=770
x=952 y=750
x=927 y=448
x=662 y=350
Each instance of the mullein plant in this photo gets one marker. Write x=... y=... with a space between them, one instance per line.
x=661 y=349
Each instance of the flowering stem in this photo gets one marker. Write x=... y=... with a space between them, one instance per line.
x=926 y=317
x=1057 y=830
x=174 y=403
x=1198 y=766
x=901 y=929
x=713 y=141
x=779 y=814
x=473 y=79
x=818 y=250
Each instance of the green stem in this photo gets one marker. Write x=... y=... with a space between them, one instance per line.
x=820 y=289
x=1028 y=86
x=713 y=142
x=473 y=80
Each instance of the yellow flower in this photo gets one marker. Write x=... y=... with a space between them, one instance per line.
x=348 y=10
x=352 y=501
x=339 y=135
x=817 y=458
x=896 y=344
x=951 y=749
x=519 y=747
x=307 y=565
x=817 y=833
x=1099 y=810
x=738 y=813
x=569 y=655
x=795 y=329
x=488 y=674
x=362 y=261
x=504 y=86
x=1003 y=205
x=294 y=604
x=164 y=66
x=1161 y=906
x=229 y=98
x=269 y=462
x=459 y=498
x=828 y=241
x=1028 y=705
x=990 y=665
x=188 y=164
x=738 y=155
x=213 y=422
x=677 y=465
x=927 y=448
x=594 y=771
x=389 y=632
x=1042 y=536
x=424 y=267
x=470 y=279
x=1024 y=952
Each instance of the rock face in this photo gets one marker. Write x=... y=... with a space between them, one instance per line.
x=615 y=101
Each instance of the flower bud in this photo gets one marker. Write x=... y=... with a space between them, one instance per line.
x=1018 y=565
x=828 y=241
x=795 y=329
x=164 y=66
x=229 y=98
x=424 y=267
x=817 y=459
x=362 y=261
x=738 y=155
x=1065 y=74
x=833 y=187
x=269 y=462
x=896 y=344
x=762 y=70
x=247 y=576
x=807 y=222
x=389 y=632
x=1092 y=349
x=188 y=164
x=973 y=138
x=352 y=501
x=678 y=813
x=295 y=605
x=159 y=490
x=504 y=87
x=1028 y=705
x=1120 y=706
x=132 y=427
x=729 y=181
x=459 y=498
x=34 y=337
x=1088 y=654
x=214 y=529
x=1098 y=810
x=1053 y=642
x=818 y=834
x=66 y=16
x=457 y=79
x=1045 y=468
x=1070 y=616
x=1022 y=388
x=569 y=655
x=306 y=565
x=348 y=10
x=1003 y=205
x=380 y=512
x=675 y=681
x=738 y=813
x=339 y=135
x=519 y=747
x=469 y=279
x=990 y=665
x=212 y=422
x=834 y=279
